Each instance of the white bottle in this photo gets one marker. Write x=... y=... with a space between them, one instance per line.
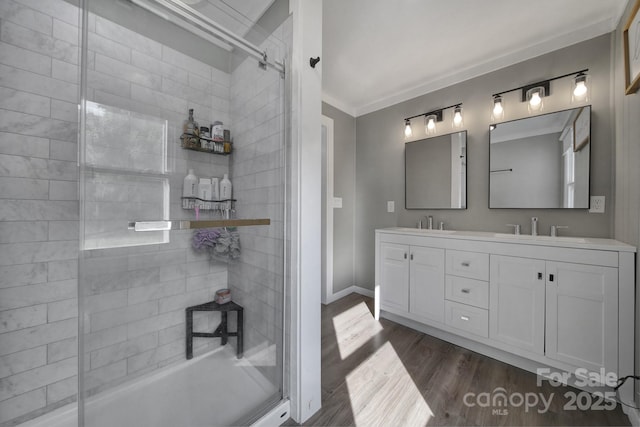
x=204 y=193
x=215 y=189
x=225 y=188
x=190 y=185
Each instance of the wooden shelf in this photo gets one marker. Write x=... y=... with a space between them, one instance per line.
x=227 y=223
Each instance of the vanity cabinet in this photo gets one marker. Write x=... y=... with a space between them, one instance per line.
x=581 y=315
x=412 y=280
x=563 y=303
x=517 y=302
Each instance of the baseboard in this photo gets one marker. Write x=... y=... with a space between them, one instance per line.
x=363 y=291
x=348 y=291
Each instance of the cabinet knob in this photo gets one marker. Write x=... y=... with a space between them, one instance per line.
x=405 y=256
x=551 y=277
x=465 y=318
x=411 y=257
x=539 y=276
x=465 y=291
x=466 y=263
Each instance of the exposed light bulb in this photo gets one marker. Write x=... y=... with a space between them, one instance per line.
x=580 y=89
x=534 y=95
x=498 y=109
x=431 y=124
x=535 y=100
x=407 y=129
x=457 y=117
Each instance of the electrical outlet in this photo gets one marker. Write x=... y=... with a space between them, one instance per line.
x=597 y=204
x=391 y=206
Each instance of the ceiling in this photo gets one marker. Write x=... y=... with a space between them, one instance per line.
x=378 y=53
x=235 y=15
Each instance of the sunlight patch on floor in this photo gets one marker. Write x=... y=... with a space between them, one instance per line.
x=351 y=335
x=382 y=392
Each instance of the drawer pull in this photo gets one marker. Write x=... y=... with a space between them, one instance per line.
x=465 y=318
x=466 y=264
x=465 y=291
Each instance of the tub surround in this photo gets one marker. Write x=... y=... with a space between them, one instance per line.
x=535 y=302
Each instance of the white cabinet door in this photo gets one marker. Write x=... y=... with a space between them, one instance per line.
x=582 y=315
x=394 y=276
x=516 y=302
x=426 y=283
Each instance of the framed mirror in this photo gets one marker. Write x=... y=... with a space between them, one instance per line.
x=541 y=161
x=435 y=171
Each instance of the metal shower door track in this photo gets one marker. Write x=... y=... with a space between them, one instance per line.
x=214 y=29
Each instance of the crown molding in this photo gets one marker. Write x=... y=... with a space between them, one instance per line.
x=511 y=58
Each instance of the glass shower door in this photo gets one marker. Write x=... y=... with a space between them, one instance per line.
x=139 y=269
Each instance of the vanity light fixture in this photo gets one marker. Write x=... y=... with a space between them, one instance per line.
x=407 y=129
x=534 y=98
x=497 y=111
x=533 y=94
x=432 y=118
x=430 y=124
x=580 y=89
x=457 y=116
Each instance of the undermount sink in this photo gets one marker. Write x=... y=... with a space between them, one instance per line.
x=541 y=238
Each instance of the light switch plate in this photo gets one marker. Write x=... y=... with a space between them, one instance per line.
x=597 y=204
x=337 y=202
x=391 y=206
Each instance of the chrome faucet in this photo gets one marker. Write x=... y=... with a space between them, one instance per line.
x=554 y=230
x=429 y=222
x=534 y=226
x=516 y=228
x=441 y=226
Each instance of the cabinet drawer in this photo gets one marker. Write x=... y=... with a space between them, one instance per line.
x=467 y=318
x=467 y=291
x=474 y=265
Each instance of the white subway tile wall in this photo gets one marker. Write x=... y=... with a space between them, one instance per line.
x=134 y=296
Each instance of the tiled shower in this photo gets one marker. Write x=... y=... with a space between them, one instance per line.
x=72 y=275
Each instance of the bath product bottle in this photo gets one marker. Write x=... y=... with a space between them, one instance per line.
x=204 y=193
x=190 y=126
x=190 y=185
x=225 y=188
x=215 y=189
x=217 y=133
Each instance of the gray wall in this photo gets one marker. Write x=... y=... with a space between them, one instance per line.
x=627 y=175
x=380 y=151
x=344 y=152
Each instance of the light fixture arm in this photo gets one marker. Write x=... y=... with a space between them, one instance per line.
x=543 y=83
x=437 y=113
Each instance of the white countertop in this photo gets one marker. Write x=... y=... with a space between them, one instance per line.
x=560 y=241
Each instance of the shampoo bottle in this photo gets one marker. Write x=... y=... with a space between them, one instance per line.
x=215 y=189
x=225 y=188
x=204 y=193
x=190 y=185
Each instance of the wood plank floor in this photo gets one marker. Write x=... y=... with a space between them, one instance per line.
x=384 y=374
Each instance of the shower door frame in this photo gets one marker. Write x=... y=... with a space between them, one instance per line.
x=284 y=405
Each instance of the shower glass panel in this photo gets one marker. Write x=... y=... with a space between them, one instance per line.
x=143 y=68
